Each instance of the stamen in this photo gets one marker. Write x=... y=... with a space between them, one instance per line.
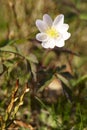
x=52 y=32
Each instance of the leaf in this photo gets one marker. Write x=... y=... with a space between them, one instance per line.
x=32 y=58
x=8 y=48
x=63 y=79
x=44 y=84
x=33 y=70
x=67 y=75
x=8 y=63
x=67 y=91
x=79 y=81
x=11 y=49
x=66 y=87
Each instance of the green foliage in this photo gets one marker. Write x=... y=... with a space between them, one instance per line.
x=56 y=78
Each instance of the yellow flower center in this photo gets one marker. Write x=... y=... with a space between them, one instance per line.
x=52 y=32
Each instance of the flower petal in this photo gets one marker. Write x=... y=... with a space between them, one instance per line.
x=41 y=25
x=60 y=42
x=49 y=44
x=47 y=19
x=58 y=20
x=66 y=35
x=41 y=37
x=45 y=44
x=62 y=28
x=58 y=25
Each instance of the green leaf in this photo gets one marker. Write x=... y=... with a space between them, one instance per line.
x=11 y=49
x=63 y=79
x=79 y=81
x=32 y=58
x=66 y=87
x=33 y=70
x=8 y=48
x=45 y=83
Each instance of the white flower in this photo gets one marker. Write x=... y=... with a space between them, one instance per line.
x=52 y=33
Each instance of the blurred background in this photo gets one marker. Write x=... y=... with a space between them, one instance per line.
x=17 y=22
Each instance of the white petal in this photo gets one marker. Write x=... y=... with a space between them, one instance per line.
x=58 y=20
x=66 y=35
x=62 y=28
x=41 y=37
x=49 y=44
x=41 y=25
x=47 y=19
x=60 y=42
x=52 y=43
x=45 y=44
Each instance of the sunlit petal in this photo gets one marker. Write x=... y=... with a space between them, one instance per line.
x=41 y=37
x=49 y=44
x=66 y=36
x=59 y=20
x=52 y=33
x=62 y=28
x=60 y=43
x=47 y=19
x=41 y=25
